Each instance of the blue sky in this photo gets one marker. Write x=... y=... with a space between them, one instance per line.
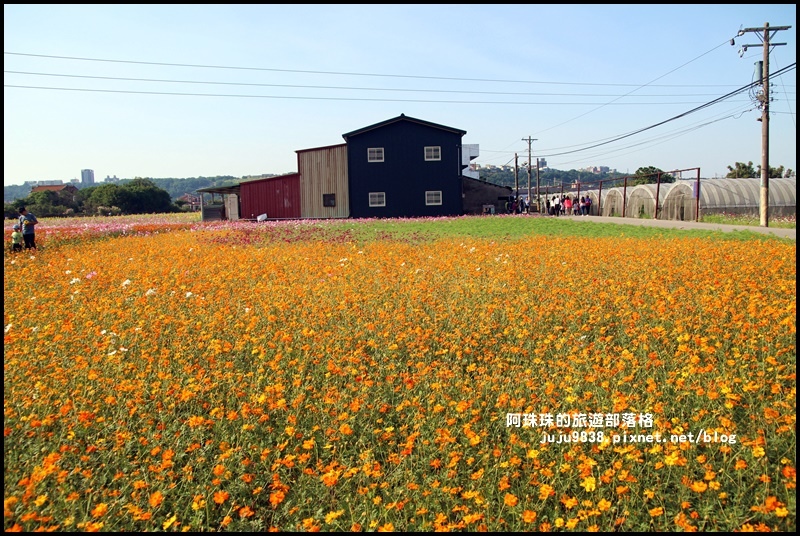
x=574 y=77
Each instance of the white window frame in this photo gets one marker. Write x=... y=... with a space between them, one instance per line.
x=377 y=199
x=374 y=154
x=433 y=152
x=431 y=195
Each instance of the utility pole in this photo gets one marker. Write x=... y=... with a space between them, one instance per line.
x=538 y=198
x=764 y=99
x=530 y=140
x=516 y=177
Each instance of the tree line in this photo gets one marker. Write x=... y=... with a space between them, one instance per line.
x=645 y=175
x=149 y=196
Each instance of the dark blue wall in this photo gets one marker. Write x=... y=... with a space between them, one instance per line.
x=404 y=174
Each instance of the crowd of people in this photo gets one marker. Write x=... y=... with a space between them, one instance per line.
x=559 y=205
x=562 y=205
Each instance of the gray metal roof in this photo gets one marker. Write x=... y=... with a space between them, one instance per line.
x=402 y=117
x=234 y=189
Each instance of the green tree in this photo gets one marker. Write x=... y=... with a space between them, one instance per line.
x=650 y=175
x=741 y=170
x=774 y=173
x=142 y=196
x=104 y=195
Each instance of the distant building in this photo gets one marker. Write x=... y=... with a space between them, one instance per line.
x=87 y=177
x=193 y=201
x=111 y=179
x=596 y=169
x=66 y=191
x=469 y=152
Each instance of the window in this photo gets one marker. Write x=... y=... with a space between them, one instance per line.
x=377 y=199
x=433 y=197
x=375 y=154
x=328 y=200
x=433 y=153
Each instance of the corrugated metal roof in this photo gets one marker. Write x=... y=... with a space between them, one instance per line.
x=234 y=189
x=258 y=179
x=321 y=148
x=403 y=117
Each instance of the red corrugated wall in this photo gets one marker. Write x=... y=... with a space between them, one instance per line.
x=277 y=197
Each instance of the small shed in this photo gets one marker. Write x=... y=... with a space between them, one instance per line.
x=277 y=197
x=219 y=202
x=479 y=194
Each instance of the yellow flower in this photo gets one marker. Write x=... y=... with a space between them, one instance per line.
x=332 y=516
x=589 y=484
x=169 y=522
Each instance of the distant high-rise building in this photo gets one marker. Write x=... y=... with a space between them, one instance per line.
x=87 y=177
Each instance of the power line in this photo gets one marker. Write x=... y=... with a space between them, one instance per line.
x=638 y=88
x=300 y=71
x=298 y=97
x=296 y=86
x=740 y=90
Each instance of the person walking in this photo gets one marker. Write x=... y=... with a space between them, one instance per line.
x=27 y=221
x=556 y=205
x=568 y=206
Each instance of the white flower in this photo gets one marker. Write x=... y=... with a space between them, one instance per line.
x=74 y=280
x=126 y=282
x=8 y=327
x=150 y=292
x=68 y=272
x=189 y=294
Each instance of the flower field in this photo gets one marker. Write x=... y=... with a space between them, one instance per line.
x=168 y=374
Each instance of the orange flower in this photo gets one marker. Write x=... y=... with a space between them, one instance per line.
x=529 y=516
x=699 y=486
x=221 y=496
x=345 y=429
x=330 y=478
x=246 y=511
x=276 y=498
x=100 y=510
x=156 y=498
x=510 y=499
